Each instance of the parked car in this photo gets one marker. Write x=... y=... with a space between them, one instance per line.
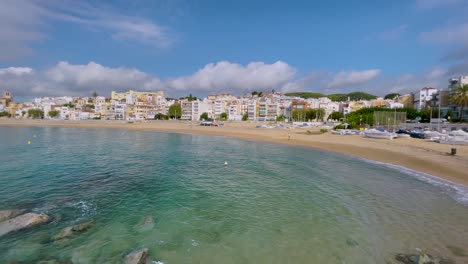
x=207 y=123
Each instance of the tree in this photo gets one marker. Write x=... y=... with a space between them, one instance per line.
x=160 y=116
x=280 y=118
x=94 y=94
x=88 y=107
x=36 y=113
x=336 y=116
x=69 y=105
x=299 y=115
x=260 y=94
x=204 y=116
x=53 y=113
x=338 y=97
x=254 y=93
x=175 y=111
x=4 y=113
x=223 y=116
x=391 y=96
x=306 y=95
x=245 y=117
x=460 y=97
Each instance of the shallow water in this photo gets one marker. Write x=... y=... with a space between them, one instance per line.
x=270 y=204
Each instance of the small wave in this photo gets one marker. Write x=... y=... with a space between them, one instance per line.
x=458 y=192
x=85 y=208
x=45 y=209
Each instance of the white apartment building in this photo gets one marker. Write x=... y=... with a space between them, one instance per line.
x=99 y=100
x=252 y=110
x=453 y=83
x=194 y=109
x=119 y=111
x=423 y=96
x=218 y=107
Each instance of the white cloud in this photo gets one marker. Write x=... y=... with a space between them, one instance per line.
x=69 y=79
x=82 y=79
x=18 y=71
x=23 y=22
x=226 y=76
x=456 y=34
x=312 y=81
x=348 y=78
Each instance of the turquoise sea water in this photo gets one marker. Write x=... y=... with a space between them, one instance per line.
x=270 y=204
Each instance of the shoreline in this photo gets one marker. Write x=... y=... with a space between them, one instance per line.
x=415 y=154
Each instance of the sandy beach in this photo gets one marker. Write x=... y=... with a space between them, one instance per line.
x=420 y=155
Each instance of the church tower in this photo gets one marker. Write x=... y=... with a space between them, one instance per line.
x=7 y=95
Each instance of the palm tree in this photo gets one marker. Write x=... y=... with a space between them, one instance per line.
x=460 y=97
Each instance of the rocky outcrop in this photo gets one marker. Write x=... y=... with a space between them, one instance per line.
x=7 y=214
x=73 y=230
x=22 y=222
x=137 y=257
x=422 y=258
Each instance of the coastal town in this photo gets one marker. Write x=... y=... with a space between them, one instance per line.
x=256 y=106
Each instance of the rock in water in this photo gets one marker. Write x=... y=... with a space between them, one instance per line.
x=148 y=220
x=73 y=230
x=137 y=257
x=21 y=222
x=414 y=259
x=7 y=214
x=145 y=225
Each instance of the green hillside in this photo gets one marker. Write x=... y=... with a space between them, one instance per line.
x=339 y=97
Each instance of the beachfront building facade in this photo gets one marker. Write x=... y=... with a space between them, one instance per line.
x=424 y=97
x=143 y=96
x=192 y=110
x=452 y=87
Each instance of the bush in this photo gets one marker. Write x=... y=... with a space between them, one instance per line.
x=53 y=113
x=223 y=116
x=245 y=117
x=160 y=116
x=204 y=116
x=280 y=118
x=323 y=130
x=36 y=113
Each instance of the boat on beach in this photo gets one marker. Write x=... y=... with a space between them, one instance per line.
x=383 y=134
x=457 y=137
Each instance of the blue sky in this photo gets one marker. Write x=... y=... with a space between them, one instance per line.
x=75 y=47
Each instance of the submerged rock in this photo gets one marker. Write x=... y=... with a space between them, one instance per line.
x=148 y=220
x=415 y=259
x=351 y=242
x=137 y=257
x=53 y=261
x=22 y=222
x=146 y=224
x=7 y=214
x=73 y=230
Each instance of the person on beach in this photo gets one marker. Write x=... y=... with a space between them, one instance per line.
x=289 y=136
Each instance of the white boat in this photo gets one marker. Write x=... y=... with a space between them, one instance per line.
x=403 y=135
x=457 y=137
x=434 y=136
x=374 y=133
